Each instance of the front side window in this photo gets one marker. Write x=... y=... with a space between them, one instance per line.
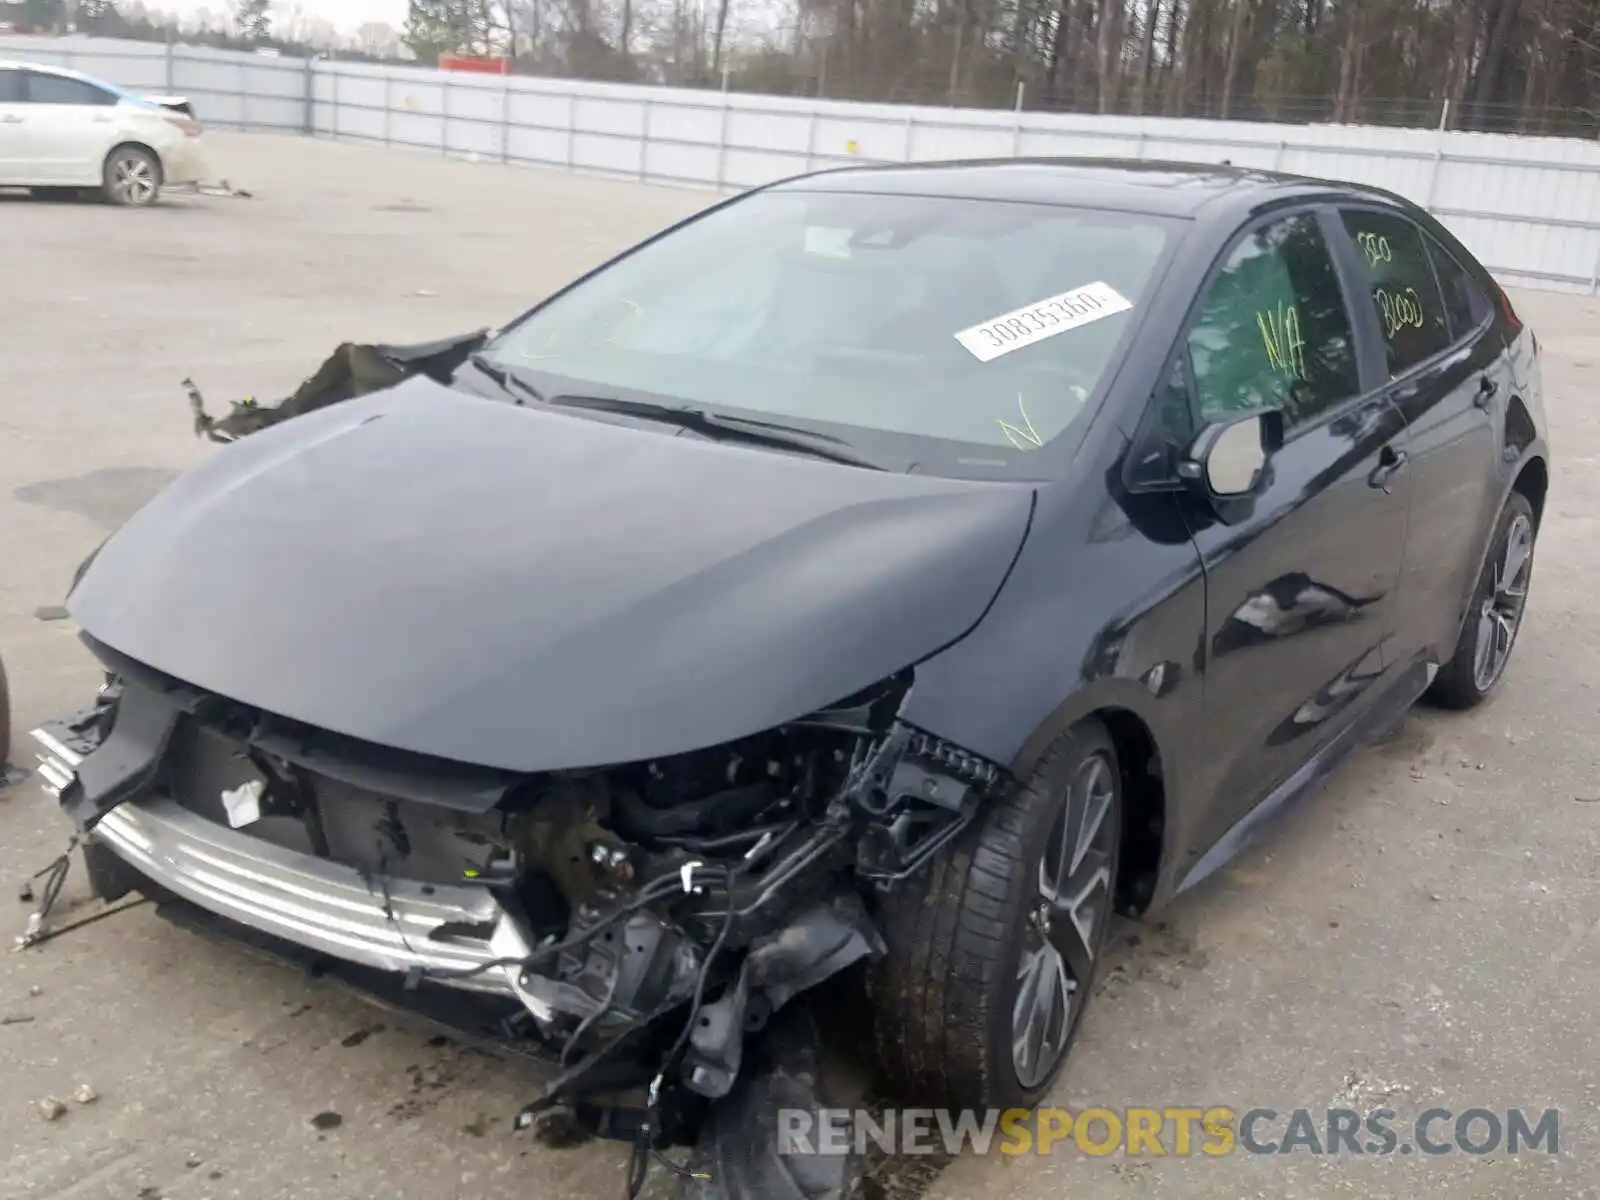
x=59 y=89
x=973 y=331
x=1272 y=330
x=1411 y=312
x=10 y=86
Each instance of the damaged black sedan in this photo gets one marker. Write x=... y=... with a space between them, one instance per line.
x=890 y=571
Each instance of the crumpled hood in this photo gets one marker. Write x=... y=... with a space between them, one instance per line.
x=533 y=590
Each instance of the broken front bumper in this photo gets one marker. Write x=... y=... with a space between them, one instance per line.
x=387 y=923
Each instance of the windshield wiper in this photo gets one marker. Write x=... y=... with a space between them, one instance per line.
x=514 y=385
x=720 y=425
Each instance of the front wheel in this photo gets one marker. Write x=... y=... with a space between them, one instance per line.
x=1494 y=617
x=132 y=177
x=992 y=952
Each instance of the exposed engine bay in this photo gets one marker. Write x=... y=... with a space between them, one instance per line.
x=640 y=927
x=632 y=925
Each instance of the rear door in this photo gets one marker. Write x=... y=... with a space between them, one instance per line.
x=12 y=162
x=1447 y=374
x=1301 y=588
x=69 y=127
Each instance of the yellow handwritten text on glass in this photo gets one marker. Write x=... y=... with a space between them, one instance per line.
x=1286 y=348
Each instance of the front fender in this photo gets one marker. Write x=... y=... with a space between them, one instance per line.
x=1104 y=613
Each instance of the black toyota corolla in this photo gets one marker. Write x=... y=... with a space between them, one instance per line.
x=898 y=567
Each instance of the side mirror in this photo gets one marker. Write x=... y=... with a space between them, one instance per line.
x=1229 y=459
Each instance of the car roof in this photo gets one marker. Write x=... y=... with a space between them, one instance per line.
x=10 y=64
x=1169 y=189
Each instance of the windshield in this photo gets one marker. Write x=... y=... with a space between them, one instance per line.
x=961 y=335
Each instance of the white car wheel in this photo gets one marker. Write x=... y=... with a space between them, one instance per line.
x=132 y=177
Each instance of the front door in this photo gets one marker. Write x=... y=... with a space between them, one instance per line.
x=12 y=164
x=70 y=125
x=1301 y=589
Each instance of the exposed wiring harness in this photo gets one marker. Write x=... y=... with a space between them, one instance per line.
x=650 y=893
x=644 y=1148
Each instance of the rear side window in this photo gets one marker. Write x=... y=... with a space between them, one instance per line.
x=1273 y=331
x=1400 y=279
x=10 y=86
x=58 y=89
x=1464 y=301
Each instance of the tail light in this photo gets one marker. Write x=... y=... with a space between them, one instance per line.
x=189 y=126
x=1508 y=313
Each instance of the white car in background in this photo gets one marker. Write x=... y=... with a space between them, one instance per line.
x=63 y=131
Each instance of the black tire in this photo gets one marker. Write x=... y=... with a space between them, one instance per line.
x=1460 y=683
x=944 y=996
x=131 y=177
x=5 y=720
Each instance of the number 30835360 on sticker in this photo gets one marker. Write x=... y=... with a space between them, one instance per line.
x=1034 y=322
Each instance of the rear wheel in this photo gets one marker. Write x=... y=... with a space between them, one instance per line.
x=1494 y=616
x=5 y=720
x=132 y=177
x=993 y=951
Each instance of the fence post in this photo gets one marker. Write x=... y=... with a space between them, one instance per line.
x=644 y=138
x=811 y=139
x=1277 y=159
x=1016 y=122
x=1138 y=148
x=244 y=96
x=1438 y=155
x=722 y=144
x=310 y=95
x=572 y=129
x=388 y=107
x=911 y=134
x=170 y=84
x=333 y=83
x=1594 y=279
x=444 y=112
x=505 y=121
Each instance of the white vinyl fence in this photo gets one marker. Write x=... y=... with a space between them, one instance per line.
x=1528 y=207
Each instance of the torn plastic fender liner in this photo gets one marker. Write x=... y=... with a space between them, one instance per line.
x=819 y=943
x=740 y=1153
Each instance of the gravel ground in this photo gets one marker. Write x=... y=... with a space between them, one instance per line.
x=1425 y=932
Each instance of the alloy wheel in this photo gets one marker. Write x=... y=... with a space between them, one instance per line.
x=1064 y=926
x=1500 y=615
x=133 y=180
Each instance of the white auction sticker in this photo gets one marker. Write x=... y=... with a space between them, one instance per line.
x=1034 y=322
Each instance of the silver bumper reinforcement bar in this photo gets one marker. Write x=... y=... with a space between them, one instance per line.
x=391 y=924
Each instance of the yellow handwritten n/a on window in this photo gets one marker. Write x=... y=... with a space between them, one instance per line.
x=1280 y=331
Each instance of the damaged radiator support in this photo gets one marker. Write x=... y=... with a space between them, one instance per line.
x=641 y=922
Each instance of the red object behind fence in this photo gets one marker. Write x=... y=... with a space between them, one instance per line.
x=483 y=66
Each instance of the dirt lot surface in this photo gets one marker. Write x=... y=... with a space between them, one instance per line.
x=1425 y=932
